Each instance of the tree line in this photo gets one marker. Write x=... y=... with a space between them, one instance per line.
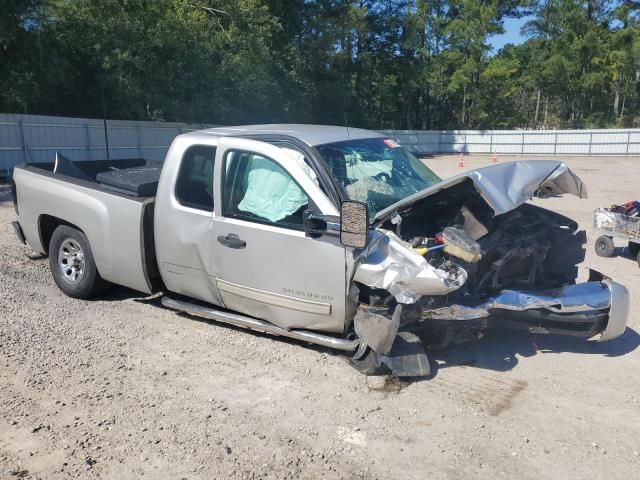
x=406 y=64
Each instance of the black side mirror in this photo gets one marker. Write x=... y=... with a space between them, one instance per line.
x=354 y=224
x=315 y=224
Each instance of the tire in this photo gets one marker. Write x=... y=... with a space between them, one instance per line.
x=368 y=363
x=634 y=248
x=638 y=259
x=604 y=246
x=72 y=265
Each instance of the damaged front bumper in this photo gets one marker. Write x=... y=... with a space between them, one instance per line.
x=598 y=307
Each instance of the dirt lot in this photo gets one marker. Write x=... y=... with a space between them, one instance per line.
x=118 y=388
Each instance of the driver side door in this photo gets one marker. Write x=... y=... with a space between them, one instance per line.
x=263 y=263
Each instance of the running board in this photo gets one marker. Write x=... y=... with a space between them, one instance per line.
x=260 y=325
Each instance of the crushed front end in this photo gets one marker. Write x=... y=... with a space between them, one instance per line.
x=442 y=269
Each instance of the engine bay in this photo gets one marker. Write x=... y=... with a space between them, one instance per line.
x=527 y=248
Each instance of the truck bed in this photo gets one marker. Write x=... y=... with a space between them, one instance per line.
x=117 y=222
x=135 y=176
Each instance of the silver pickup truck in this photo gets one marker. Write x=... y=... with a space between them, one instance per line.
x=334 y=236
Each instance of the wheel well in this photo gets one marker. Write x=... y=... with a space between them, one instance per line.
x=47 y=224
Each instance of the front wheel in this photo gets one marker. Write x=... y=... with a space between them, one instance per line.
x=604 y=246
x=367 y=362
x=72 y=264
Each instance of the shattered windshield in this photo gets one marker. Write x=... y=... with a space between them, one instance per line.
x=376 y=171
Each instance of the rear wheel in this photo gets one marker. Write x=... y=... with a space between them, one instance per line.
x=72 y=264
x=604 y=246
x=638 y=259
x=634 y=248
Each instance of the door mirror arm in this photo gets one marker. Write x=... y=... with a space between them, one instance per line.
x=316 y=224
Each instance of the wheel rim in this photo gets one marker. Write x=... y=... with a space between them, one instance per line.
x=602 y=246
x=71 y=260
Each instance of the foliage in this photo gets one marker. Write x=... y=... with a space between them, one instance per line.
x=379 y=64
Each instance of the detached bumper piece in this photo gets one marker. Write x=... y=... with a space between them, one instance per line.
x=582 y=310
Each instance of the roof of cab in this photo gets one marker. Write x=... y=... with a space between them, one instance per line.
x=312 y=135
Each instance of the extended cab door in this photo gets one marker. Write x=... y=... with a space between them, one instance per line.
x=263 y=263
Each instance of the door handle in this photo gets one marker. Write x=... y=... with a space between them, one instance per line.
x=232 y=240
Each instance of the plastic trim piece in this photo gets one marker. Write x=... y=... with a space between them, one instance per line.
x=19 y=233
x=618 y=313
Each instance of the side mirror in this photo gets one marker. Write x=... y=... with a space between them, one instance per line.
x=354 y=224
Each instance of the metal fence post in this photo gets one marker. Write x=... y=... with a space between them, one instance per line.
x=491 y=142
x=522 y=145
x=555 y=143
x=628 y=141
x=22 y=142
x=590 y=142
x=139 y=137
x=106 y=137
x=86 y=129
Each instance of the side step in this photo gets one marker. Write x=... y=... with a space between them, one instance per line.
x=259 y=325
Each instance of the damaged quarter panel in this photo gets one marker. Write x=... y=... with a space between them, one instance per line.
x=390 y=264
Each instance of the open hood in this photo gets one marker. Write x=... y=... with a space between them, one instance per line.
x=506 y=186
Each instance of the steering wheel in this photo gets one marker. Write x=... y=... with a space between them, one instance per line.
x=382 y=175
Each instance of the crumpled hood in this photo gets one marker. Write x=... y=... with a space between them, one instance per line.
x=506 y=186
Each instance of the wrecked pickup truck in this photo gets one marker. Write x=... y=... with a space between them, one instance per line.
x=334 y=236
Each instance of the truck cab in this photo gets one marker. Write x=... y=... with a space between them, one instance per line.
x=237 y=239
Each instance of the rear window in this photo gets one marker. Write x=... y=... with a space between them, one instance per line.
x=194 y=186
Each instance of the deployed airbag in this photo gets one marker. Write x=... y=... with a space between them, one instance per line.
x=271 y=192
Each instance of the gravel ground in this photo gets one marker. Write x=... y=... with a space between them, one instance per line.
x=120 y=388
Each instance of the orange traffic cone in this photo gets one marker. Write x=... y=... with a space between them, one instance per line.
x=461 y=161
x=494 y=158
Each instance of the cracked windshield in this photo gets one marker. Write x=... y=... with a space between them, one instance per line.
x=376 y=171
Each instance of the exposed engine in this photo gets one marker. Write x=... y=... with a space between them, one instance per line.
x=527 y=248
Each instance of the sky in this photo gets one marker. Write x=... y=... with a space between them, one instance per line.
x=512 y=28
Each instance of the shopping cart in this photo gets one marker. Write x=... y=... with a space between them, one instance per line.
x=612 y=225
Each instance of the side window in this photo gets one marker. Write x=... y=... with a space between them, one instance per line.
x=194 y=186
x=259 y=190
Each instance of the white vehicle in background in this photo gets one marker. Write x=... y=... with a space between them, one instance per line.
x=334 y=236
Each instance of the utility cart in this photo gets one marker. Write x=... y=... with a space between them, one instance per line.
x=610 y=224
